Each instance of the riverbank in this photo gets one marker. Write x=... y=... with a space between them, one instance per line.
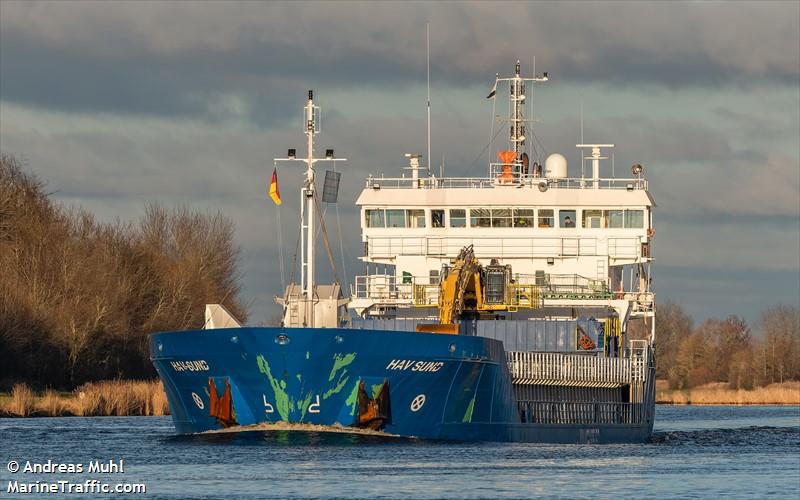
x=98 y=399
x=786 y=393
x=147 y=398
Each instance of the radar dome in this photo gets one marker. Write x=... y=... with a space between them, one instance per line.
x=555 y=166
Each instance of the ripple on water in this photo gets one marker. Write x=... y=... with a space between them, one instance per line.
x=696 y=452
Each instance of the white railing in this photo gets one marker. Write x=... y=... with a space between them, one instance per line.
x=502 y=246
x=494 y=182
x=550 y=368
x=526 y=289
x=388 y=289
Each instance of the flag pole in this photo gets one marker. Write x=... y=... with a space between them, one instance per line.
x=428 y=46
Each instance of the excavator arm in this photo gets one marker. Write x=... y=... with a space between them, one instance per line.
x=470 y=287
x=464 y=277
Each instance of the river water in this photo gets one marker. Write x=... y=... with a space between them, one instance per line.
x=697 y=452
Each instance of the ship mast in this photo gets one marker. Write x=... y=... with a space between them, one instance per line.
x=307 y=206
x=516 y=129
x=516 y=103
x=311 y=124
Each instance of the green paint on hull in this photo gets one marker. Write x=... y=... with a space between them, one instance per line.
x=376 y=388
x=303 y=405
x=352 y=399
x=339 y=386
x=468 y=413
x=282 y=403
x=340 y=362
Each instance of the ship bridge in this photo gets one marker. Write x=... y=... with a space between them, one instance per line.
x=569 y=241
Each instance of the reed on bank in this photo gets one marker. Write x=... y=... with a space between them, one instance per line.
x=719 y=393
x=95 y=399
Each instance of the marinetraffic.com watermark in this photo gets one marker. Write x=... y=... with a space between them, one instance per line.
x=68 y=478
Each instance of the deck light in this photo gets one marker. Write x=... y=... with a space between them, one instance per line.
x=629 y=187
x=551 y=261
x=292 y=154
x=329 y=154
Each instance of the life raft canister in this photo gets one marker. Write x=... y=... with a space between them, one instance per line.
x=506 y=158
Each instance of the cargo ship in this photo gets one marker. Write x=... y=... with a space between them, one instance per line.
x=493 y=308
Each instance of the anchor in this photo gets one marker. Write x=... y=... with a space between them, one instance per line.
x=221 y=407
x=373 y=413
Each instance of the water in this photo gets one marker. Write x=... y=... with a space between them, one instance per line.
x=697 y=452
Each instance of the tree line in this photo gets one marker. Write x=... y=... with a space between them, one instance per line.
x=725 y=350
x=78 y=297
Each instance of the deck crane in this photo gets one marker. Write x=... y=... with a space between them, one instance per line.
x=468 y=287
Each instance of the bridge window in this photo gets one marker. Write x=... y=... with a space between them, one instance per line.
x=634 y=218
x=395 y=218
x=593 y=219
x=523 y=217
x=437 y=217
x=415 y=218
x=566 y=218
x=480 y=217
x=614 y=218
x=375 y=218
x=546 y=218
x=458 y=217
x=501 y=217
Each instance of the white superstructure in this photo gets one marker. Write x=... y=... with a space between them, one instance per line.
x=583 y=242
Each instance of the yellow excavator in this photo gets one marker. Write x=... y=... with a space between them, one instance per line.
x=468 y=289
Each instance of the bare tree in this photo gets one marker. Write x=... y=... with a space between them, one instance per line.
x=79 y=297
x=673 y=325
x=780 y=327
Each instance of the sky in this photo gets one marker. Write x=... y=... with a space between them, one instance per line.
x=120 y=104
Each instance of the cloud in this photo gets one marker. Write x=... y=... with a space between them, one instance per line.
x=119 y=104
x=183 y=58
x=697 y=168
x=705 y=292
x=719 y=244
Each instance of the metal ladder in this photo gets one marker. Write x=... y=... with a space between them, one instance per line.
x=638 y=360
x=601 y=270
x=294 y=314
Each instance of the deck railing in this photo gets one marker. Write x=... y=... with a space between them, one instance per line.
x=550 y=368
x=504 y=247
x=526 y=291
x=578 y=412
x=499 y=182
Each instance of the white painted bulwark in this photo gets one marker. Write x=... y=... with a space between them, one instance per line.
x=219 y=317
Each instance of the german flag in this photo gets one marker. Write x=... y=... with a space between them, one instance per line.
x=274 y=192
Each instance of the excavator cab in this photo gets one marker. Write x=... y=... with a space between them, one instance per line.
x=467 y=289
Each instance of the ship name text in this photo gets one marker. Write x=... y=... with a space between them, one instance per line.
x=195 y=365
x=415 y=366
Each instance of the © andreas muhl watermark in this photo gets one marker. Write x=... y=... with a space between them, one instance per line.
x=35 y=484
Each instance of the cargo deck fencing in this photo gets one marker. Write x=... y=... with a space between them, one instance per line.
x=551 y=368
x=577 y=413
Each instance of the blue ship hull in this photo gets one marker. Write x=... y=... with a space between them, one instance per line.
x=450 y=387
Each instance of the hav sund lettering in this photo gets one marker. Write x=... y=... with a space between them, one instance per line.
x=414 y=365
